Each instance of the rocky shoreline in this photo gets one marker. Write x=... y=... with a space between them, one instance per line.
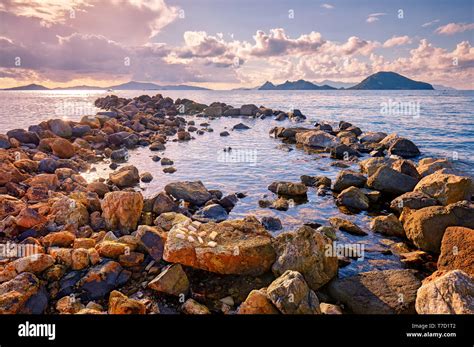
x=75 y=247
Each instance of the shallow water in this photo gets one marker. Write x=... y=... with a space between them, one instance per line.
x=443 y=127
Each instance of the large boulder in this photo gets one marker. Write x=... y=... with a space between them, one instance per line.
x=240 y=247
x=428 y=166
x=349 y=178
x=17 y=295
x=446 y=188
x=317 y=138
x=305 y=251
x=412 y=200
x=291 y=294
x=192 y=192
x=425 y=227
x=172 y=281
x=370 y=165
x=387 y=225
x=457 y=250
x=288 y=188
x=353 y=198
x=126 y=176
x=60 y=128
x=377 y=292
x=62 y=148
x=403 y=148
x=69 y=211
x=449 y=292
x=121 y=209
x=387 y=180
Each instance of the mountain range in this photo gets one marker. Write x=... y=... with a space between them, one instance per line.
x=132 y=85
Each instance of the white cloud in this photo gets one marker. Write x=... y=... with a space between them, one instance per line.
x=427 y=24
x=454 y=28
x=397 y=41
x=327 y=6
x=374 y=17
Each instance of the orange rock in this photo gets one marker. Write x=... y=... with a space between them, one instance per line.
x=258 y=302
x=60 y=239
x=121 y=210
x=28 y=218
x=62 y=148
x=121 y=304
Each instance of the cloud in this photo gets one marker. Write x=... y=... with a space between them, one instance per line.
x=454 y=28
x=427 y=24
x=397 y=41
x=327 y=6
x=374 y=17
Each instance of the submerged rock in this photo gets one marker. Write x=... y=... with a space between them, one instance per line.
x=346 y=225
x=192 y=192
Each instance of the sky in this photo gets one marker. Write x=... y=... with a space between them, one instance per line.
x=224 y=44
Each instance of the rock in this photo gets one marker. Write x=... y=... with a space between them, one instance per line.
x=403 y=148
x=446 y=188
x=258 y=302
x=224 y=133
x=16 y=293
x=191 y=306
x=345 y=225
x=60 y=128
x=29 y=218
x=343 y=151
x=69 y=305
x=272 y=223
x=131 y=259
x=248 y=110
x=317 y=138
x=126 y=176
x=172 y=280
x=62 y=148
x=387 y=180
x=111 y=249
x=121 y=210
x=457 y=248
x=353 y=197
x=121 y=304
x=315 y=181
x=4 y=142
x=151 y=239
x=291 y=295
x=69 y=211
x=232 y=112
x=79 y=258
x=183 y=136
x=377 y=292
x=98 y=187
x=59 y=239
x=102 y=279
x=329 y=308
x=157 y=146
x=169 y=170
x=119 y=155
x=240 y=247
x=305 y=251
x=428 y=166
x=35 y=263
x=240 y=126
x=192 y=192
x=406 y=167
x=349 y=178
x=80 y=130
x=412 y=200
x=425 y=227
x=23 y=136
x=387 y=225
x=288 y=188
x=213 y=111
x=214 y=212
x=372 y=137
x=169 y=219
x=49 y=181
x=163 y=203
x=146 y=177
x=450 y=293
x=280 y=204
x=10 y=206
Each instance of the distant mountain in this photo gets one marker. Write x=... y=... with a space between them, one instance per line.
x=386 y=80
x=183 y=87
x=83 y=87
x=337 y=84
x=441 y=87
x=132 y=85
x=297 y=85
x=29 y=87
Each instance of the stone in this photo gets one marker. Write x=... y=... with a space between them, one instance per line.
x=406 y=167
x=35 y=263
x=304 y=250
x=346 y=225
x=288 y=188
x=131 y=259
x=457 y=248
x=412 y=200
x=23 y=136
x=213 y=111
x=151 y=240
x=240 y=126
x=163 y=203
x=317 y=138
x=425 y=227
x=29 y=218
x=280 y=204
x=354 y=198
x=169 y=170
x=146 y=177
x=126 y=176
x=428 y=166
x=79 y=258
x=102 y=279
x=62 y=148
x=4 y=142
x=271 y=223
x=257 y=302
x=224 y=133
x=372 y=137
x=450 y=293
x=330 y=308
x=172 y=280
x=240 y=247
x=98 y=187
x=111 y=249
x=69 y=305
x=10 y=206
x=17 y=292
x=122 y=210
x=119 y=155
x=377 y=292
x=69 y=211
x=213 y=212
x=248 y=110
x=121 y=304
x=157 y=146
x=343 y=151
x=387 y=180
x=387 y=225
x=349 y=178
x=169 y=219
x=191 y=306
x=60 y=128
x=446 y=188
x=370 y=165
x=403 y=148
x=291 y=295
x=59 y=239
x=192 y=192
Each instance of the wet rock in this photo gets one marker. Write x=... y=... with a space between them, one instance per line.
x=305 y=251
x=372 y=137
x=213 y=212
x=230 y=247
x=370 y=165
x=412 y=200
x=60 y=128
x=354 y=198
x=23 y=136
x=288 y=188
x=291 y=295
x=317 y=138
x=387 y=180
x=229 y=202
x=280 y=204
x=403 y=148
x=224 y=133
x=17 y=292
x=446 y=188
x=126 y=176
x=272 y=223
x=151 y=240
x=163 y=203
x=214 y=111
x=166 y=161
x=343 y=151
x=425 y=227
x=377 y=292
x=240 y=126
x=346 y=225
x=248 y=110
x=192 y=192
x=231 y=112
x=121 y=210
x=183 y=136
x=146 y=177
x=121 y=304
x=406 y=167
x=191 y=306
x=119 y=155
x=258 y=302
x=457 y=248
x=102 y=279
x=157 y=146
x=169 y=170
x=315 y=181
x=387 y=225
x=449 y=292
x=172 y=280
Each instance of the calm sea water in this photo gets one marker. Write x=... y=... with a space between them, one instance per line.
x=441 y=123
